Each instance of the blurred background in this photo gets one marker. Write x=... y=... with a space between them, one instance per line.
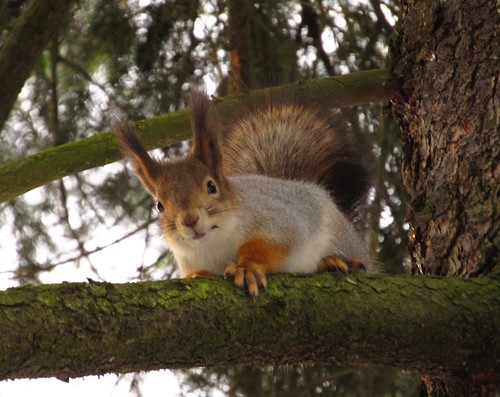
x=142 y=58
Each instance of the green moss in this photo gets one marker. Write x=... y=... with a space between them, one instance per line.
x=97 y=289
x=349 y=318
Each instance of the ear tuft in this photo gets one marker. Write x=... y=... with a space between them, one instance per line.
x=205 y=145
x=144 y=166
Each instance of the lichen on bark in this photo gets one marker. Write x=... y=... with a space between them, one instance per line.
x=77 y=329
x=449 y=115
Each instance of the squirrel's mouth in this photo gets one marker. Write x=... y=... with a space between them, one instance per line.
x=199 y=235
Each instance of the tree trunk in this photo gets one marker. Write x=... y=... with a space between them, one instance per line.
x=448 y=64
x=446 y=56
x=77 y=329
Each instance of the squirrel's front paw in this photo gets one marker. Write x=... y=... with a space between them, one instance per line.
x=252 y=276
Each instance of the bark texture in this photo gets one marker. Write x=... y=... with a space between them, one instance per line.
x=20 y=176
x=446 y=56
x=36 y=26
x=430 y=325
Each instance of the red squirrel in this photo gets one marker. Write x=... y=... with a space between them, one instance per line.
x=274 y=189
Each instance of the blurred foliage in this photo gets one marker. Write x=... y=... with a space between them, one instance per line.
x=9 y=11
x=304 y=381
x=141 y=58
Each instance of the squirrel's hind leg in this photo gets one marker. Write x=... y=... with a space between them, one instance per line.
x=336 y=264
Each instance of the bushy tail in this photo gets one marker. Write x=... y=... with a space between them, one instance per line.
x=291 y=139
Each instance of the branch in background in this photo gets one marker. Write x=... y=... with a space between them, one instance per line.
x=22 y=48
x=85 y=253
x=444 y=326
x=20 y=176
x=309 y=19
x=87 y=77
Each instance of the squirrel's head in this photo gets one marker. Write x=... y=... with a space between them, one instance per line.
x=192 y=195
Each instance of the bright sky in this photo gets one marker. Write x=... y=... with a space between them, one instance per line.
x=156 y=383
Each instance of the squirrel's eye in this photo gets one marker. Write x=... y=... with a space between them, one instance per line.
x=211 y=187
x=159 y=206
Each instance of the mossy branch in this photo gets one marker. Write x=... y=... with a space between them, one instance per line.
x=428 y=325
x=22 y=175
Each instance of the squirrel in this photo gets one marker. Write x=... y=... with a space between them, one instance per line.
x=277 y=188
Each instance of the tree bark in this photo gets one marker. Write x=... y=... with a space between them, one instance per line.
x=36 y=26
x=20 y=176
x=446 y=56
x=447 y=61
x=77 y=329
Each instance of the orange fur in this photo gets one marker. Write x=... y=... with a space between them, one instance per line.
x=356 y=265
x=199 y=273
x=257 y=257
x=336 y=264
x=263 y=254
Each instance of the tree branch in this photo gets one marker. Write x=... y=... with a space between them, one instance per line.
x=35 y=28
x=19 y=176
x=428 y=325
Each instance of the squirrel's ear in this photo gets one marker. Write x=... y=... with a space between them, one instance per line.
x=205 y=145
x=144 y=166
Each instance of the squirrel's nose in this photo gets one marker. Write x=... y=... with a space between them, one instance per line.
x=190 y=220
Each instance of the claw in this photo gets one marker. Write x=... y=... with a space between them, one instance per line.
x=239 y=277
x=199 y=273
x=242 y=275
x=336 y=264
x=356 y=266
x=251 y=280
x=230 y=270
